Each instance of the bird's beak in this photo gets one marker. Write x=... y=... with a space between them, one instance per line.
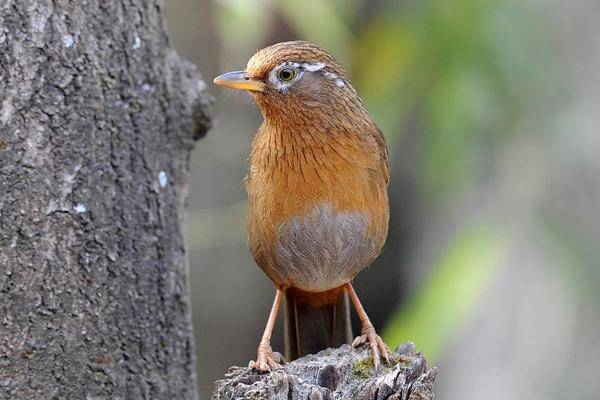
x=239 y=80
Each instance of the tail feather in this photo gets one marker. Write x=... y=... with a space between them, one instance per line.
x=316 y=321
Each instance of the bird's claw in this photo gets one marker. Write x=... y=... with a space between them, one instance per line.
x=378 y=348
x=267 y=360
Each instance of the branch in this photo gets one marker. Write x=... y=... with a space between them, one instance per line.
x=342 y=373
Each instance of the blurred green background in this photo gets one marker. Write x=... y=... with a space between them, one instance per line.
x=490 y=109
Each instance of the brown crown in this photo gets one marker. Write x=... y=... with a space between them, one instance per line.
x=296 y=51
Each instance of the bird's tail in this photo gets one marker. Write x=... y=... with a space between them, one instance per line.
x=316 y=321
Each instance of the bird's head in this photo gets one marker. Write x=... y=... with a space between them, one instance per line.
x=294 y=79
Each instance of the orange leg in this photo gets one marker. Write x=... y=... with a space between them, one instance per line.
x=368 y=334
x=266 y=359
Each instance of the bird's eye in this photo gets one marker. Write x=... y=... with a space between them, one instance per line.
x=287 y=74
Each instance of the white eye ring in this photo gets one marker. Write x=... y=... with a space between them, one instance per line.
x=280 y=82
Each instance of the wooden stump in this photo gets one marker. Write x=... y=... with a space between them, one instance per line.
x=343 y=373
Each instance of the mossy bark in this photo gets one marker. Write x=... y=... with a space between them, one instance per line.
x=98 y=115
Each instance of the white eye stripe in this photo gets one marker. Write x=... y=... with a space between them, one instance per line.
x=313 y=67
x=336 y=79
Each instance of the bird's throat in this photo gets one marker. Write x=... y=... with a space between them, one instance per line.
x=306 y=149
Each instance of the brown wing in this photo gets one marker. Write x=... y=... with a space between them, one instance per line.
x=383 y=153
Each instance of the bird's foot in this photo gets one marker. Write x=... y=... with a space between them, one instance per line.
x=379 y=350
x=267 y=360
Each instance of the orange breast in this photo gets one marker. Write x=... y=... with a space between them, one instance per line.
x=318 y=207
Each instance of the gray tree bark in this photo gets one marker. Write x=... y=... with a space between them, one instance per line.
x=342 y=373
x=98 y=115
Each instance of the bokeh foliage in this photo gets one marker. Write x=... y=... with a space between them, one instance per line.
x=452 y=291
x=466 y=68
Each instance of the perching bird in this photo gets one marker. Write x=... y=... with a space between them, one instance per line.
x=317 y=196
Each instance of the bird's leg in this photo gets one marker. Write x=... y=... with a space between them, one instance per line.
x=368 y=334
x=266 y=359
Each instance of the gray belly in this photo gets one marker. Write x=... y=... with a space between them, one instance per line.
x=325 y=249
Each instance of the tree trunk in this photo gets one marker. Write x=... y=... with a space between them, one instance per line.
x=98 y=115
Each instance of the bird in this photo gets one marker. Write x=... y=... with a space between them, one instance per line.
x=318 y=208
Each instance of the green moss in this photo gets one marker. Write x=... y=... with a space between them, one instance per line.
x=363 y=368
x=404 y=360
